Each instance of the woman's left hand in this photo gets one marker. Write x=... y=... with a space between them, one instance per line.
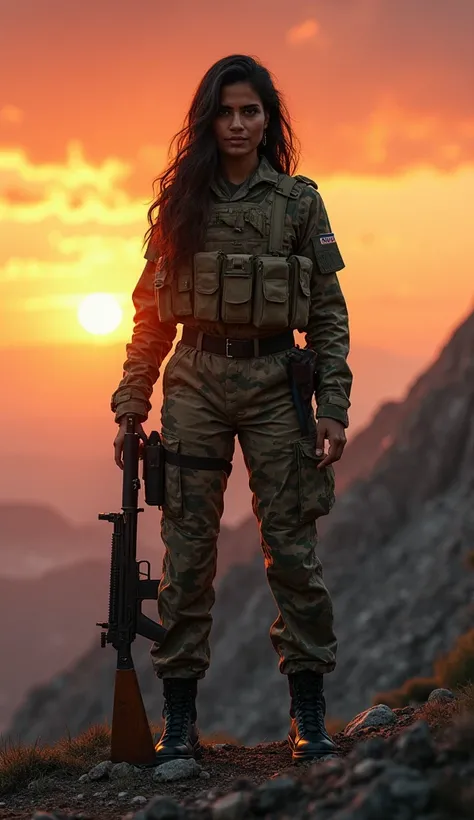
x=334 y=432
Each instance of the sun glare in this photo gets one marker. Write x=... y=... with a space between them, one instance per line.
x=99 y=313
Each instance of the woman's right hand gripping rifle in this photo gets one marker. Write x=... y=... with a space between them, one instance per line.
x=120 y=437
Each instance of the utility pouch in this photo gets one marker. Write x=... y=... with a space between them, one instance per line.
x=181 y=293
x=237 y=281
x=207 y=276
x=154 y=470
x=271 y=297
x=162 y=291
x=300 y=295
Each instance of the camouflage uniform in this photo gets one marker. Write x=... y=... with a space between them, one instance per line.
x=210 y=398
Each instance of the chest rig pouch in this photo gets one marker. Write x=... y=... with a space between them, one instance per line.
x=266 y=290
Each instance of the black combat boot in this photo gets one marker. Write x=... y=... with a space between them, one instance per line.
x=180 y=738
x=308 y=738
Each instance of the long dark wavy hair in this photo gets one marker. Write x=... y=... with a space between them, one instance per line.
x=183 y=200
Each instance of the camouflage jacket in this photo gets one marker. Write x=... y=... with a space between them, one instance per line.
x=327 y=332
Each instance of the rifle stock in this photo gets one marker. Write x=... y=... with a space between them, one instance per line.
x=131 y=738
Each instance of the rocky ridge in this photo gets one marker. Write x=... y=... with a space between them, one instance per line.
x=406 y=764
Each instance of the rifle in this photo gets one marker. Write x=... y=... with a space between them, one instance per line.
x=131 y=738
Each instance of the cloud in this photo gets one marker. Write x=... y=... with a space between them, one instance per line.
x=303 y=32
x=77 y=191
x=388 y=87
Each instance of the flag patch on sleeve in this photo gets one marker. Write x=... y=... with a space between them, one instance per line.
x=327 y=238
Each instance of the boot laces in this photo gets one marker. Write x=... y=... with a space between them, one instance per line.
x=309 y=708
x=177 y=713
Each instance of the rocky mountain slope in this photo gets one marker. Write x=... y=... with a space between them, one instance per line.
x=406 y=764
x=393 y=557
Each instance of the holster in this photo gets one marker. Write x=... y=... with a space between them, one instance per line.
x=155 y=457
x=301 y=375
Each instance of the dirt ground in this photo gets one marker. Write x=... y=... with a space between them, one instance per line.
x=225 y=765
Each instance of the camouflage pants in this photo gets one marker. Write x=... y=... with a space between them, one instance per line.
x=207 y=400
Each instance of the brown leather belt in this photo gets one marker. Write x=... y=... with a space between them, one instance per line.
x=237 y=348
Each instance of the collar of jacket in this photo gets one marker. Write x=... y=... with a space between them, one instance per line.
x=263 y=173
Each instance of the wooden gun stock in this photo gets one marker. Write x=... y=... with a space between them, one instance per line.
x=131 y=738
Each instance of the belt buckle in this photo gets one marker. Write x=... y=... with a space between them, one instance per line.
x=228 y=354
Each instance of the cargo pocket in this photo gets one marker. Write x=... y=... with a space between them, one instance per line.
x=162 y=292
x=300 y=277
x=237 y=280
x=181 y=293
x=207 y=273
x=271 y=302
x=173 y=496
x=316 y=488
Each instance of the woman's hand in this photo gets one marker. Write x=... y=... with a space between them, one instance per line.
x=334 y=432
x=120 y=437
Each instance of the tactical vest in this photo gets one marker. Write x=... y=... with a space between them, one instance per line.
x=246 y=274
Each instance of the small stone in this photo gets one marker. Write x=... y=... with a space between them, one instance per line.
x=2 y=804
x=101 y=771
x=161 y=808
x=79 y=797
x=366 y=769
x=121 y=770
x=231 y=806
x=139 y=800
x=98 y=794
x=177 y=770
x=83 y=778
x=40 y=784
x=122 y=794
x=272 y=794
x=374 y=748
x=441 y=695
x=205 y=775
x=415 y=746
x=379 y=715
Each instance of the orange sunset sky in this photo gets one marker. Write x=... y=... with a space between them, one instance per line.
x=91 y=91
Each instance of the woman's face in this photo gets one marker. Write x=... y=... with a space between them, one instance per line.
x=241 y=120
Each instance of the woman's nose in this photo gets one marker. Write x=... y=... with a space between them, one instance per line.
x=236 y=124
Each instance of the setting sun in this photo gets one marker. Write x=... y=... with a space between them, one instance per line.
x=99 y=313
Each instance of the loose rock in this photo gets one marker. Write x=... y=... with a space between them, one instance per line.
x=367 y=769
x=101 y=771
x=177 y=770
x=272 y=794
x=232 y=806
x=441 y=695
x=121 y=770
x=161 y=808
x=415 y=746
x=139 y=799
x=380 y=715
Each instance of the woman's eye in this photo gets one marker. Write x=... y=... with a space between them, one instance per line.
x=250 y=112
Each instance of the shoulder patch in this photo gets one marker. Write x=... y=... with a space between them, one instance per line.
x=306 y=180
x=326 y=253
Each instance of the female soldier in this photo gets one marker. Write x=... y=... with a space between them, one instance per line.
x=241 y=254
